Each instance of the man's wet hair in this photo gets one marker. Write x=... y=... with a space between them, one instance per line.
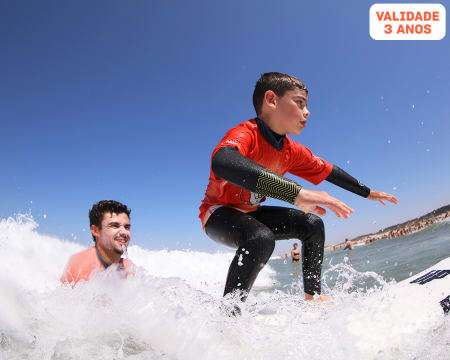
x=103 y=206
x=277 y=82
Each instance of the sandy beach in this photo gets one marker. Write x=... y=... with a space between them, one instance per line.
x=408 y=227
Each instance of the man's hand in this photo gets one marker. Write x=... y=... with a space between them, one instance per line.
x=309 y=201
x=381 y=196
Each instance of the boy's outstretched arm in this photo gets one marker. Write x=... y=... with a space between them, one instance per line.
x=229 y=164
x=344 y=180
x=381 y=196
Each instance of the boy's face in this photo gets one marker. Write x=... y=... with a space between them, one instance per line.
x=289 y=112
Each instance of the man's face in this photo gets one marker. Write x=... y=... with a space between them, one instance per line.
x=114 y=232
x=290 y=112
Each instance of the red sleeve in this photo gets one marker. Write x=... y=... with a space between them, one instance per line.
x=308 y=166
x=239 y=137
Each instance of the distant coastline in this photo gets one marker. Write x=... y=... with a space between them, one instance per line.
x=408 y=227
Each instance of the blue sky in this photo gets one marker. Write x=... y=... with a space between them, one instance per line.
x=125 y=100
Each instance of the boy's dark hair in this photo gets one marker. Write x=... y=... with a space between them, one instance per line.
x=277 y=82
x=98 y=209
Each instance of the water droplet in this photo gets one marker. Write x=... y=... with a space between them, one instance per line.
x=125 y=252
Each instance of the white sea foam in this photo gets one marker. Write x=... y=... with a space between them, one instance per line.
x=39 y=259
x=173 y=310
x=201 y=270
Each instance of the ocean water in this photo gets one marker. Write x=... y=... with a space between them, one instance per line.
x=392 y=259
x=172 y=309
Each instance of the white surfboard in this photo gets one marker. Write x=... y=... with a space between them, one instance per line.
x=435 y=281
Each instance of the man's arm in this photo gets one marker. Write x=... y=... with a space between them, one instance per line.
x=67 y=277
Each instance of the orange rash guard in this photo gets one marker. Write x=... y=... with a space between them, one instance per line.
x=83 y=264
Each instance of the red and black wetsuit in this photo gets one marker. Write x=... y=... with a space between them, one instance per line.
x=247 y=165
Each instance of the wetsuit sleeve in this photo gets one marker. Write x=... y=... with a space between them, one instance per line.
x=306 y=165
x=229 y=164
x=344 y=180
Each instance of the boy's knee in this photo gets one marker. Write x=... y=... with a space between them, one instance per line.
x=260 y=245
x=307 y=225
x=316 y=223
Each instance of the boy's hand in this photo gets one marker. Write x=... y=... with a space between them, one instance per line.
x=309 y=201
x=380 y=196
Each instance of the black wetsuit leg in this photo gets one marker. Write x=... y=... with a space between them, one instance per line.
x=289 y=223
x=254 y=242
x=254 y=235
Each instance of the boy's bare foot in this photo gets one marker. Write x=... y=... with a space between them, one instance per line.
x=320 y=299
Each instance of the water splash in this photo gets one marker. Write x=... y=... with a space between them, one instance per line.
x=172 y=309
x=125 y=252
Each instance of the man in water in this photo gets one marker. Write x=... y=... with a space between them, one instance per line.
x=110 y=228
x=248 y=164
x=295 y=253
x=348 y=244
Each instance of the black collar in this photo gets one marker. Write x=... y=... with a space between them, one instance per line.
x=104 y=263
x=274 y=139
